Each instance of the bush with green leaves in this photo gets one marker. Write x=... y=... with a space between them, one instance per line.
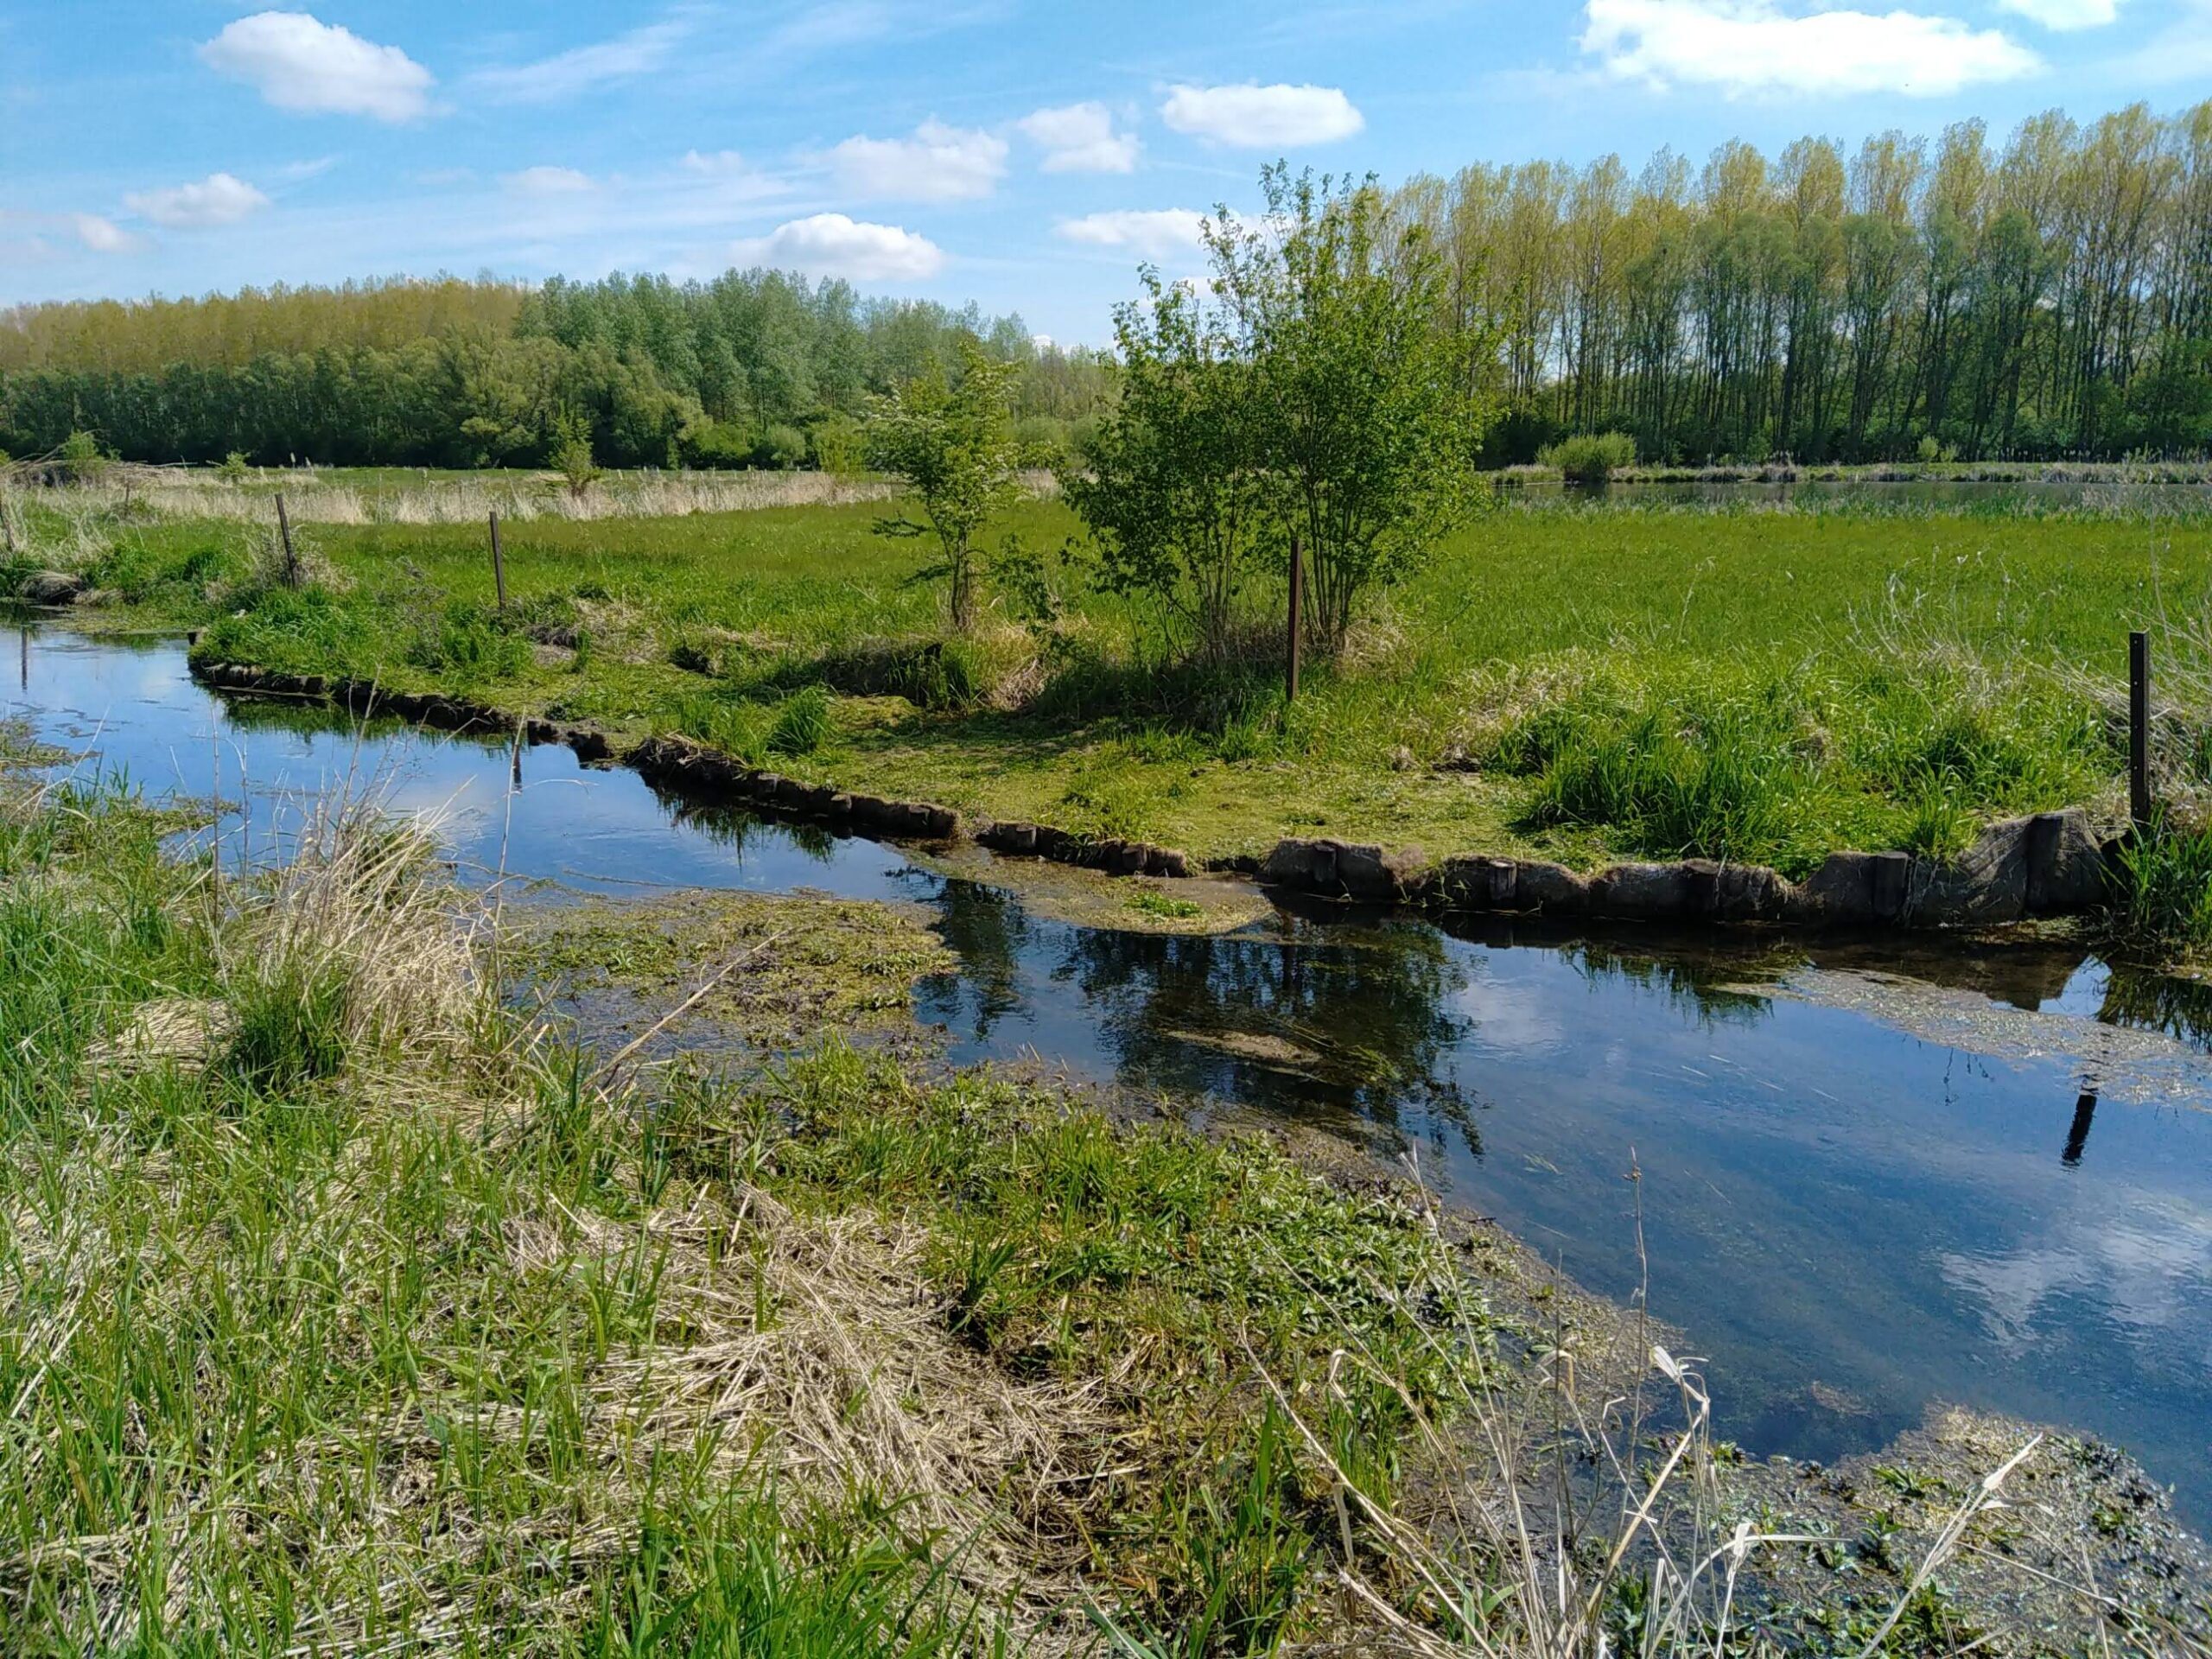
x=572 y=454
x=1590 y=458
x=951 y=443
x=1311 y=396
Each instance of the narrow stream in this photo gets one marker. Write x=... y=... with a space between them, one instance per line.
x=1872 y=1176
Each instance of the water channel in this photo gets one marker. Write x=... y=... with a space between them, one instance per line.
x=1873 y=1176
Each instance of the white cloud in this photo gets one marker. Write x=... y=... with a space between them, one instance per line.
x=1080 y=139
x=104 y=235
x=714 y=164
x=301 y=64
x=830 y=244
x=1753 y=46
x=1155 y=234
x=938 y=163
x=2065 y=13
x=547 y=181
x=219 y=199
x=579 y=70
x=1262 y=118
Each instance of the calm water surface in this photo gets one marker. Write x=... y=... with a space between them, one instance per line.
x=1851 y=1220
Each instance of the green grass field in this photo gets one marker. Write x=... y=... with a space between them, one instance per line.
x=1585 y=681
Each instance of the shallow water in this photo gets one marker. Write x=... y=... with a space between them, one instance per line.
x=1872 y=1176
x=2029 y=497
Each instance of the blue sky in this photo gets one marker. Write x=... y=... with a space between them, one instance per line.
x=1026 y=156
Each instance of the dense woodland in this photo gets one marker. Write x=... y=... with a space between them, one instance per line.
x=755 y=368
x=2048 y=297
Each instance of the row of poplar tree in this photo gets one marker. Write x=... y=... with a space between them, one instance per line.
x=2050 y=297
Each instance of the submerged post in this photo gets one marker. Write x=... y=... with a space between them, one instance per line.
x=284 y=532
x=2138 y=729
x=498 y=564
x=1296 y=617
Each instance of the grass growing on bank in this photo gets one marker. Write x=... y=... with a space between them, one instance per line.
x=336 y=1310
x=341 y=1312
x=1586 y=682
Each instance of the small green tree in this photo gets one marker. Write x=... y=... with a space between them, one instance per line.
x=1368 y=424
x=572 y=456
x=233 y=469
x=83 y=460
x=1173 y=485
x=951 y=443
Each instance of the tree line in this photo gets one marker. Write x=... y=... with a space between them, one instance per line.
x=754 y=368
x=2050 y=297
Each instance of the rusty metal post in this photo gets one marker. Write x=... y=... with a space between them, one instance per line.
x=1297 y=614
x=498 y=564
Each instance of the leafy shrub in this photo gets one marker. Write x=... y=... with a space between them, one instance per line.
x=83 y=460
x=782 y=448
x=572 y=454
x=803 y=723
x=836 y=445
x=715 y=445
x=1590 y=458
x=233 y=469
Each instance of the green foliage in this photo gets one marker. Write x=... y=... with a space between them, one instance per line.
x=723 y=720
x=1715 y=788
x=233 y=469
x=289 y=1030
x=572 y=455
x=1368 y=421
x=470 y=641
x=448 y=373
x=83 y=460
x=837 y=444
x=1174 y=486
x=1313 y=397
x=783 y=447
x=1591 y=459
x=951 y=444
x=2164 y=887
x=803 y=722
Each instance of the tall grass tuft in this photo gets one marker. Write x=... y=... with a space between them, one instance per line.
x=803 y=722
x=2164 y=895
x=1714 y=788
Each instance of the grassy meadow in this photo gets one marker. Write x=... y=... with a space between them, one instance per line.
x=1585 y=680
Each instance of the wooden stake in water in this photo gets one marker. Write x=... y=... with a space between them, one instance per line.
x=1297 y=615
x=498 y=564
x=2138 y=728
x=284 y=530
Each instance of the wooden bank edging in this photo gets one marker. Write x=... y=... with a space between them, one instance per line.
x=2049 y=864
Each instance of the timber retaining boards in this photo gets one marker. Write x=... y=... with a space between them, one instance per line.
x=2051 y=864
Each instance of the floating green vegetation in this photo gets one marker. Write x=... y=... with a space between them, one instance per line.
x=772 y=972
